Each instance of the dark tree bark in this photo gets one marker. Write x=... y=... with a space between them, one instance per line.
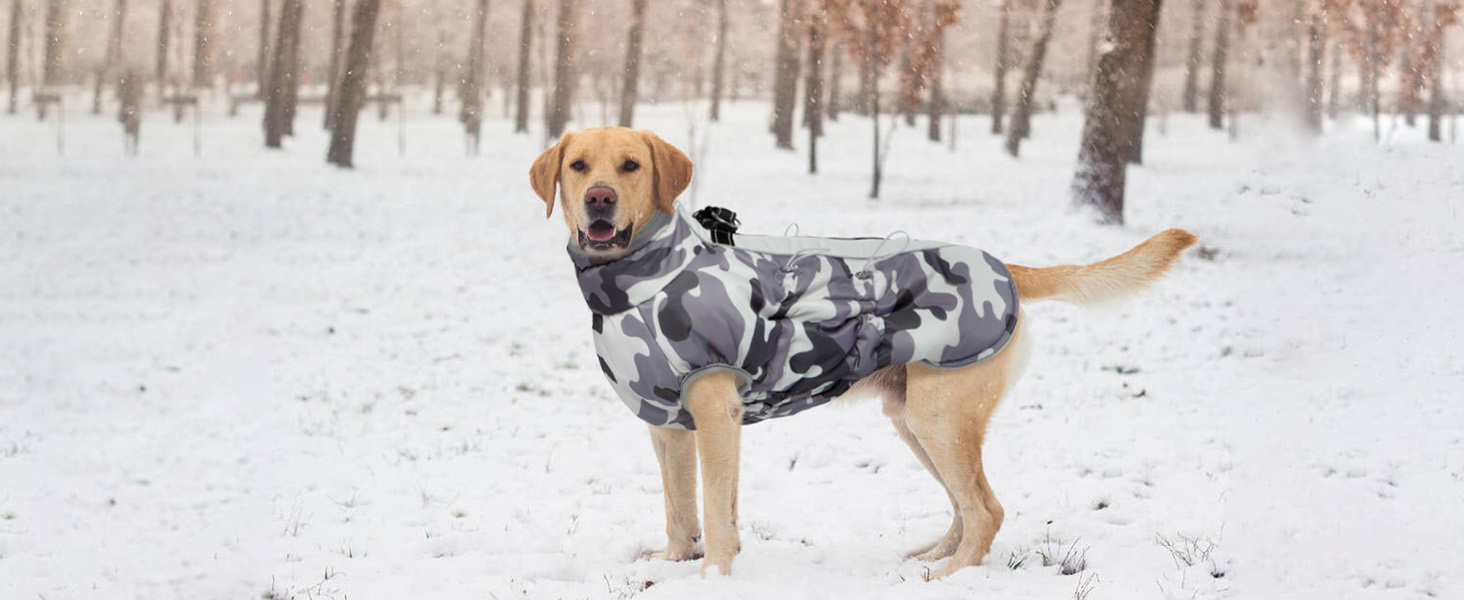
x=873 y=68
x=1021 y=125
x=262 y=63
x=1316 y=46
x=165 y=18
x=1146 y=82
x=813 y=86
x=1196 y=58
x=129 y=113
x=12 y=54
x=785 y=77
x=937 y=105
x=1097 y=24
x=337 y=58
x=565 y=71
x=203 y=45
x=108 y=72
x=56 y=12
x=1218 y=63
x=284 y=75
x=836 y=73
x=1003 y=56
x=629 y=87
x=1112 y=111
x=1436 y=100
x=866 y=88
x=526 y=41
x=352 y=91
x=719 y=63
x=1334 y=85
x=473 y=81
x=1374 y=65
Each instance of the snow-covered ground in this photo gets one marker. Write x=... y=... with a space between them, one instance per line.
x=248 y=375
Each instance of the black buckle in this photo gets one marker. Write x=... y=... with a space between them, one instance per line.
x=721 y=223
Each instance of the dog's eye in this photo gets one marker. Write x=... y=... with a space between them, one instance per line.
x=578 y=165
x=630 y=166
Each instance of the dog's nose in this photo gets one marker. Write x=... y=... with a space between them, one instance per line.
x=600 y=196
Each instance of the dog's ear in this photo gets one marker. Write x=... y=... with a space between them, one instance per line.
x=544 y=175
x=672 y=171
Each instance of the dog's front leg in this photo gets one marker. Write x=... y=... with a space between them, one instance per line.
x=717 y=408
x=676 y=451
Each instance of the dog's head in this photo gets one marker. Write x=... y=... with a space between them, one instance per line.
x=611 y=181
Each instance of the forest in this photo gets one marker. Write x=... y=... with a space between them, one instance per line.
x=558 y=64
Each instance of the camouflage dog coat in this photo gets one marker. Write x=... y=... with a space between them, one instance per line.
x=798 y=319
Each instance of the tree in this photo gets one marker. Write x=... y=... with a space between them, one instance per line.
x=564 y=68
x=923 y=60
x=785 y=76
x=1021 y=125
x=284 y=75
x=1372 y=29
x=719 y=63
x=337 y=57
x=473 y=87
x=873 y=31
x=1445 y=14
x=114 y=54
x=813 y=95
x=263 y=58
x=56 y=12
x=129 y=113
x=1136 y=148
x=1097 y=23
x=352 y=90
x=1316 y=47
x=1113 y=110
x=836 y=73
x=203 y=45
x=1003 y=56
x=12 y=53
x=1191 y=92
x=1218 y=62
x=165 y=18
x=632 y=62
x=526 y=40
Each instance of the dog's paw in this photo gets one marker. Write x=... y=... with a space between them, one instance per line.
x=716 y=568
x=677 y=554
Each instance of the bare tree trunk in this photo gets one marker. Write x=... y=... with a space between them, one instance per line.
x=785 y=78
x=284 y=74
x=1021 y=125
x=1112 y=111
x=937 y=104
x=1196 y=57
x=719 y=63
x=262 y=63
x=1146 y=82
x=628 y=87
x=1003 y=53
x=565 y=74
x=1374 y=61
x=12 y=54
x=473 y=82
x=337 y=57
x=873 y=68
x=1218 y=62
x=1334 y=85
x=526 y=41
x=165 y=18
x=56 y=12
x=1436 y=101
x=129 y=113
x=1410 y=86
x=866 y=88
x=1316 y=47
x=108 y=71
x=813 y=95
x=1097 y=25
x=352 y=91
x=836 y=73
x=203 y=45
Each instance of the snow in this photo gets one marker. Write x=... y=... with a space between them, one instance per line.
x=250 y=375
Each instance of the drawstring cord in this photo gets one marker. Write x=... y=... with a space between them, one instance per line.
x=864 y=272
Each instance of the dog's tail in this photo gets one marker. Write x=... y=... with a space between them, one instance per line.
x=1106 y=281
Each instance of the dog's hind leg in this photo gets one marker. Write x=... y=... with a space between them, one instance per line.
x=947 y=410
x=889 y=383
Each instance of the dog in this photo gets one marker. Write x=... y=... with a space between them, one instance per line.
x=700 y=337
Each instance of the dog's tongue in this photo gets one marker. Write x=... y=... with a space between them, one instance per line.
x=600 y=231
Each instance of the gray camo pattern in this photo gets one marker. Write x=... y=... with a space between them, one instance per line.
x=799 y=329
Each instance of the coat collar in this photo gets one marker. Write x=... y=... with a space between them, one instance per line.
x=659 y=252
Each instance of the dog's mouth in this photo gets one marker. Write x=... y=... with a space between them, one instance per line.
x=601 y=235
